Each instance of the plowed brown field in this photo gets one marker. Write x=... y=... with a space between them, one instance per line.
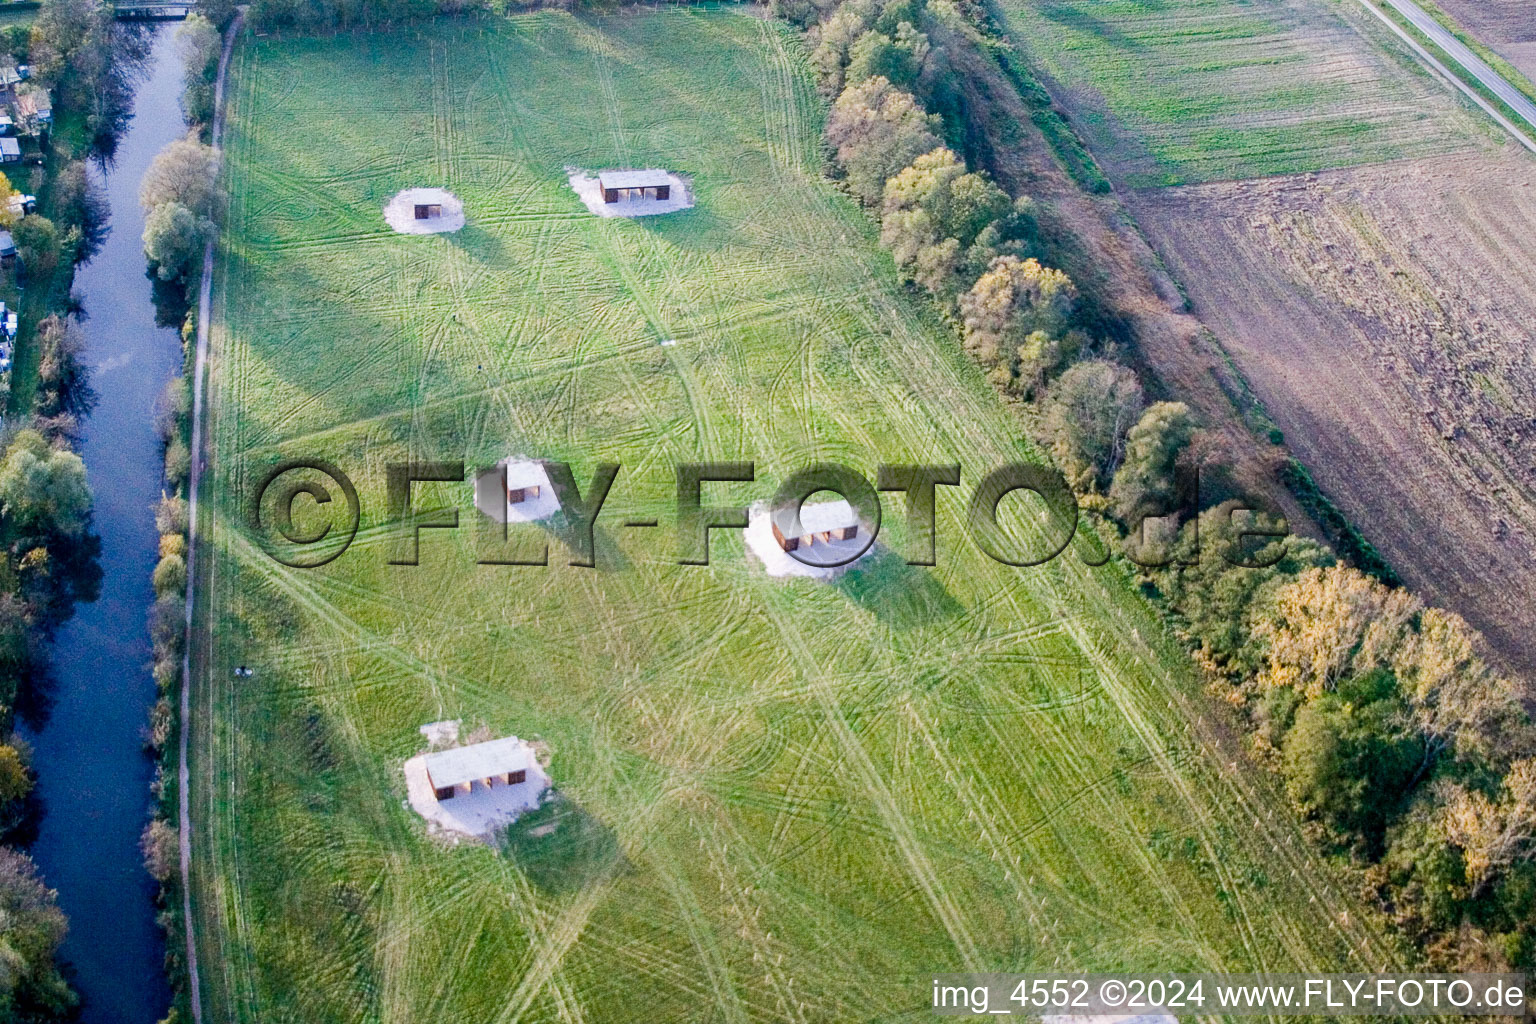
x=1509 y=26
x=1386 y=316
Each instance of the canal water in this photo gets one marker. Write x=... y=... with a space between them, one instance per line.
x=93 y=774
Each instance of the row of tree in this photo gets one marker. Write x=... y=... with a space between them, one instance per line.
x=1393 y=735
x=180 y=195
x=1392 y=732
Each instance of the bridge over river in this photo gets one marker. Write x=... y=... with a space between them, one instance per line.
x=153 y=11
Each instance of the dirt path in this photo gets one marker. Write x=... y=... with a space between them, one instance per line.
x=184 y=772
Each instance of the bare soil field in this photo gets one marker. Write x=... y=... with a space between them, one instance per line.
x=1384 y=315
x=1508 y=26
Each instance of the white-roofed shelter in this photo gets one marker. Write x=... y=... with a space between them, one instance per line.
x=476 y=789
x=619 y=185
x=529 y=496
x=456 y=771
x=830 y=539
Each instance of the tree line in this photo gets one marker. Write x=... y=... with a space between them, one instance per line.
x=1410 y=756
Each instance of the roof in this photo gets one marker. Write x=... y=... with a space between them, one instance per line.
x=7 y=243
x=10 y=147
x=633 y=179
x=478 y=761
x=819 y=516
x=526 y=474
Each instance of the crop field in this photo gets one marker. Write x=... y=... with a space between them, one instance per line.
x=1507 y=26
x=1170 y=92
x=786 y=800
x=1384 y=316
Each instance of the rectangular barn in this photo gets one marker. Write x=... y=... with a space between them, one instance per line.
x=618 y=185
x=505 y=762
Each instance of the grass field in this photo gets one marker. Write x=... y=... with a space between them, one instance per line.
x=1177 y=91
x=789 y=801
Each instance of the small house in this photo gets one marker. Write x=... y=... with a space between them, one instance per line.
x=34 y=111
x=7 y=124
x=618 y=185
x=20 y=205
x=503 y=762
x=9 y=327
x=10 y=151
x=7 y=247
x=825 y=521
x=428 y=211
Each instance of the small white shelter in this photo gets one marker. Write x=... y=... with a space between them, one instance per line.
x=829 y=541
x=455 y=772
x=476 y=789
x=529 y=496
x=620 y=185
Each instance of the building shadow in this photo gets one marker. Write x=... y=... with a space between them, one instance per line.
x=479 y=243
x=902 y=596
x=561 y=847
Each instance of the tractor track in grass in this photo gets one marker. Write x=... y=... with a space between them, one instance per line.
x=751 y=743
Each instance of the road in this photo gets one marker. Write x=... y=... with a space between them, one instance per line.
x=1474 y=65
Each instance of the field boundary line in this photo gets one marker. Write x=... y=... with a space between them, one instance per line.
x=1446 y=73
x=183 y=769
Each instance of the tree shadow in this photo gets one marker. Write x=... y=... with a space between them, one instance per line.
x=561 y=847
x=900 y=595
x=172 y=300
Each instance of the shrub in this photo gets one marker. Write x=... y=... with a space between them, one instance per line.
x=170 y=576
x=162 y=850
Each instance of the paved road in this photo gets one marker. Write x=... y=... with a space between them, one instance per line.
x=1461 y=54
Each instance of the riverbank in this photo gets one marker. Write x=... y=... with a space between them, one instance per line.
x=94 y=778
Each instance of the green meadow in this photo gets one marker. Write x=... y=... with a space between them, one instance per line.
x=1172 y=92
x=781 y=799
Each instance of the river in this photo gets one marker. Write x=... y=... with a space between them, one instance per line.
x=93 y=774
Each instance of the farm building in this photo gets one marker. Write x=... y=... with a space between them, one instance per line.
x=826 y=521
x=620 y=185
x=502 y=762
x=10 y=151
x=427 y=211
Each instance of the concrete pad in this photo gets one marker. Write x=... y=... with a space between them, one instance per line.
x=586 y=187
x=442 y=734
x=400 y=214
x=822 y=555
